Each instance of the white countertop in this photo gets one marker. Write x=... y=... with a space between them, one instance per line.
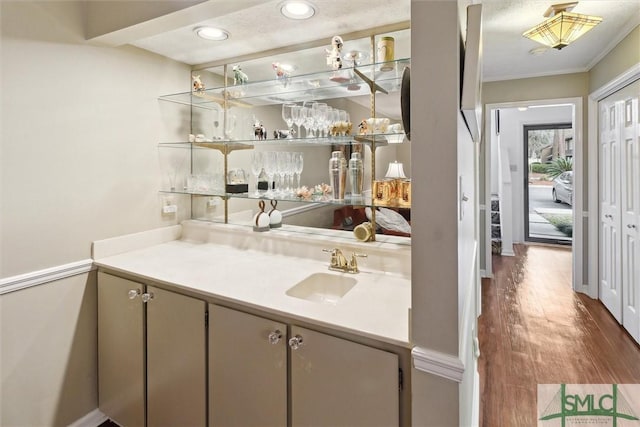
x=376 y=307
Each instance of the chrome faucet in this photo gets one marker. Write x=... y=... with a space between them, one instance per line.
x=339 y=262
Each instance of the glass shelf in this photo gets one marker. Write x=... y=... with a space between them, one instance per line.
x=228 y=146
x=307 y=87
x=348 y=200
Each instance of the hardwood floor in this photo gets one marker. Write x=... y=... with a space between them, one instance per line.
x=535 y=330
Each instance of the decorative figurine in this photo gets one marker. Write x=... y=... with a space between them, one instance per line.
x=198 y=86
x=259 y=131
x=239 y=77
x=284 y=133
x=281 y=73
x=334 y=56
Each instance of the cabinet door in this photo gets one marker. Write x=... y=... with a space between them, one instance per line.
x=335 y=382
x=120 y=350
x=176 y=360
x=247 y=370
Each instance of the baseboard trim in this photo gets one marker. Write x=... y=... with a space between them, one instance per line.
x=92 y=419
x=40 y=277
x=436 y=363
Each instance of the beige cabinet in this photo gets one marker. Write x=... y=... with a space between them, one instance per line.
x=332 y=381
x=144 y=327
x=335 y=382
x=247 y=370
x=120 y=350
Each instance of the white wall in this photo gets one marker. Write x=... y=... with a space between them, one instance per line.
x=80 y=127
x=80 y=130
x=512 y=122
x=444 y=269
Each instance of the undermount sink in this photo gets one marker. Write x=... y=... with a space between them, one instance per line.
x=325 y=288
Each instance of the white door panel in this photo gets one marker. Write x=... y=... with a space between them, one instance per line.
x=630 y=214
x=619 y=171
x=609 y=213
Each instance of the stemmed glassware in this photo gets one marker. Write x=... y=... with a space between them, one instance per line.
x=283 y=167
x=312 y=123
x=299 y=114
x=322 y=111
x=257 y=160
x=270 y=167
x=287 y=115
x=298 y=165
x=230 y=125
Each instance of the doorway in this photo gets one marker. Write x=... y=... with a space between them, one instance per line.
x=548 y=183
x=495 y=168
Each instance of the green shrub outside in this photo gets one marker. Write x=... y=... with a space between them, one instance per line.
x=558 y=166
x=538 y=168
x=563 y=223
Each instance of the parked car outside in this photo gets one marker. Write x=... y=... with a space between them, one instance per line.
x=562 y=191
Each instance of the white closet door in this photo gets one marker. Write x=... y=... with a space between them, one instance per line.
x=630 y=209
x=610 y=280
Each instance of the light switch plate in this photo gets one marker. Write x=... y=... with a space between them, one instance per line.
x=169 y=209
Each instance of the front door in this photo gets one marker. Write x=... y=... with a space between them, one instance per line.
x=548 y=183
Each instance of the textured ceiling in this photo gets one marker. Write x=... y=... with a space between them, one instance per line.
x=506 y=52
x=261 y=27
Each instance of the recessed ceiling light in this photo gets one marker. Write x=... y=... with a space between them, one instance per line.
x=297 y=9
x=211 y=33
x=523 y=108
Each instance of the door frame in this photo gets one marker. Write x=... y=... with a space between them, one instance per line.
x=624 y=79
x=525 y=135
x=578 y=240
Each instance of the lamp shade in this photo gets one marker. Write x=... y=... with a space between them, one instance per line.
x=561 y=29
x=395 y=170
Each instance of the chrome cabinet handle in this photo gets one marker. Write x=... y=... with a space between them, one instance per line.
x=275 y=337
x=295 y=342
x=133 y=293
x=631 y=226
x=608 y=216
x=146 y=297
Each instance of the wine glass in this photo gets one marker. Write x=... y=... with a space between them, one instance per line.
x=299 y=115
x=310 y=123
x=287 y=115
x=332 y=122
x=298 y=164
x=230 y=125
x=281 y=169
x=321 y=118
x=342 y=122
x=257 y=160
x=270 y=165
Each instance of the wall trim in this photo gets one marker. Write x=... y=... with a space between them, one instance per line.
x=436 y=363
x=40 y=277
x=92 y=419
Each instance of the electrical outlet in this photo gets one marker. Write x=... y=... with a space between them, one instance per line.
x=213 y=202
x=169 y=209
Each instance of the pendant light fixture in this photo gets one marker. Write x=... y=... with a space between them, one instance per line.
x=562 y=26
